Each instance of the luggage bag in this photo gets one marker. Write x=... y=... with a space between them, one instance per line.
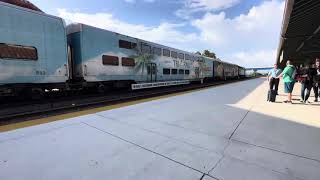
x=272 y=96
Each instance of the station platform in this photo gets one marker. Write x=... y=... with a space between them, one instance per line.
x=227 y=132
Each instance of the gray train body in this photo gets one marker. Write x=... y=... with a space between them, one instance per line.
x=101 y=56
x=33 y=50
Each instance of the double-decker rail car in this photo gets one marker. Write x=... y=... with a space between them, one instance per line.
x=230 y=71
x=33 y=51
x=103 y=58
x=242 y=72
x=218 y=70
x=224 y=70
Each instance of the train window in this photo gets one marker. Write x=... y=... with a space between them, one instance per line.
x=181 y=56
x=127 y=45
x=157 y=51
x=8 y=51
x=166 y=52
x=174 y=54
x=181 y=71
x=174 y=71
x=188 y=57
x=128 y=62
x=187 y=72
x=110 y=60
x=194 y=58
x=145 y=48
x=166 y=71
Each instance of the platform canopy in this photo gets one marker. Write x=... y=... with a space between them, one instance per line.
x=22 y=3
x=300 y=34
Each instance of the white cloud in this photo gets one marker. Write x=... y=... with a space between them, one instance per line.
x=249 y=39
x=258 y=30
x=130 y=1
x=211 y=4
x=263 y=58
x=164 y=33
x=192 y=6
x=133 y=1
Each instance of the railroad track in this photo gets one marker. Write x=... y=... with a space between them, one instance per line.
x=24 y=111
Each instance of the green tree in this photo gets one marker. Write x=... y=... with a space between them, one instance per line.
x=207 y=53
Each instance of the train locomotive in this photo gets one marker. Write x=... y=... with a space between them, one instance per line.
x=39 y=53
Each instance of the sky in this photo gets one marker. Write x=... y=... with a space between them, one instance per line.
x=245 y=32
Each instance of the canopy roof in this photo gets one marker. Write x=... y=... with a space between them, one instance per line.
x=300 y=34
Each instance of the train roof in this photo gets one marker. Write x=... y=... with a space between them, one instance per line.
x=16 y=6
x=77 y=27
x=23 y=3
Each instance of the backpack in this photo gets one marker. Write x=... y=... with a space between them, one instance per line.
x=316 y=78
x=294 y=74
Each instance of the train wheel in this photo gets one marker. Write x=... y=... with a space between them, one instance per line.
x=37 y=94
x=101 y=89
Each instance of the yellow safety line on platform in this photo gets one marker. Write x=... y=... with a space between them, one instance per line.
x=49 y=119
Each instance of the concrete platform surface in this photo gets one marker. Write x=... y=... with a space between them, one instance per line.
x=227 y=133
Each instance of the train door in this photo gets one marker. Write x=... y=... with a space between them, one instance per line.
x=70 y=62
x=213 y=70
x=152 y=72
x=197 y=72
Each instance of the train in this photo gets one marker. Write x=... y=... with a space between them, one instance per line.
x=39 y=53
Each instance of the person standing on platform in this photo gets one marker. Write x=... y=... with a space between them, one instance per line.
x=272 y=78
x=307 y=83
x=316 y=80
x=288 y=79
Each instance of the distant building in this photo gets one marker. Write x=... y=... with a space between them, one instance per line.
x=23 y=3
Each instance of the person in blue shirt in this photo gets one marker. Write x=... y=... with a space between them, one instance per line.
x=272 y=78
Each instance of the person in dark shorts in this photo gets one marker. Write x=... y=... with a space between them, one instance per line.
x=288 y=79
x=272 y=78
x=307 y=83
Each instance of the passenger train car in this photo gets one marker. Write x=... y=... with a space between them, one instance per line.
x=33 y=50
x=104 y=57
x=39 y=53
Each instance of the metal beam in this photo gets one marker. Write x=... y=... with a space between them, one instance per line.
x=285 y=23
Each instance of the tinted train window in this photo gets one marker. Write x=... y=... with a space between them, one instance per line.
x=110 y=60
x=166 y=71
x=174 y=71
x=181 y=56
x=181 y=71
x=157 y=51
x=127 y=44
x=195 y=58
x=187 y=72
x=188 y=57
x=8 y=51
x=128 y=62
x=166 y=52
x=145 y=48
x=174 y=54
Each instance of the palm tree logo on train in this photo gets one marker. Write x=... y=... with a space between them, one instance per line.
x=142 y=59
